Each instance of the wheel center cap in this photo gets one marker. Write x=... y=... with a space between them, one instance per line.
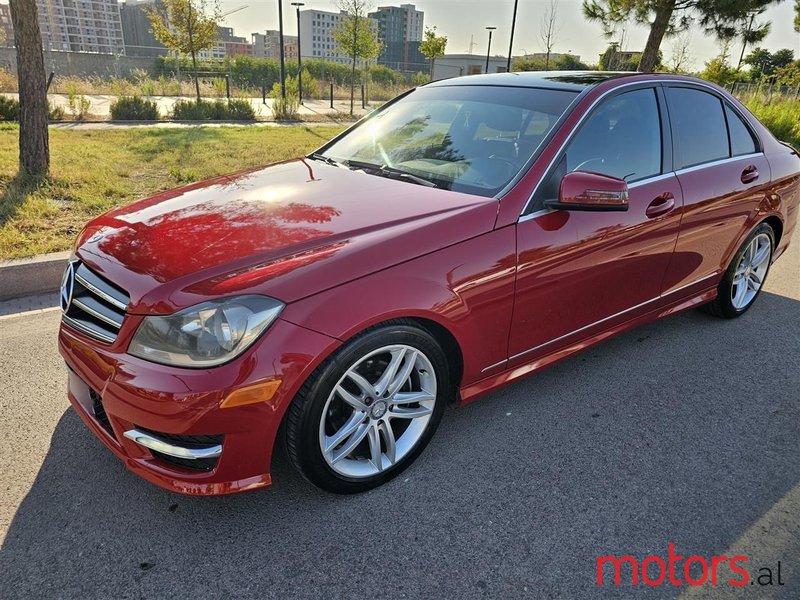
x=378 y=409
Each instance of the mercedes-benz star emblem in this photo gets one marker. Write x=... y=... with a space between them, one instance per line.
x=67 y=284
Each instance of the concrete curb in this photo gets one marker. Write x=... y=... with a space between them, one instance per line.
x=29 y=276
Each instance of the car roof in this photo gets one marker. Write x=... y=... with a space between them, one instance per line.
x=563 y=80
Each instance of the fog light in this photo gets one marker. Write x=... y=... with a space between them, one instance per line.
x=253 y=394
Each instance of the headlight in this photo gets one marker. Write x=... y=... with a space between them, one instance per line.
x=207 y=334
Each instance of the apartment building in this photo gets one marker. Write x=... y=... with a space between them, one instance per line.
x=136 y=29
x=267 y=45
x=81 y=26
x=316 y=35
x=400 y=29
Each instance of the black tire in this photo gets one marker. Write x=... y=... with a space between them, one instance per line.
x=305 y=414
x=722 y=306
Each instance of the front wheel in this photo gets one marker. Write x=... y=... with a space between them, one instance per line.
x=745 y=276
x=368 y=412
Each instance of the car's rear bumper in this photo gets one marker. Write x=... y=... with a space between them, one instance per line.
x=115 y=393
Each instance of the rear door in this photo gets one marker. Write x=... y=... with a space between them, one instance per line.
x=724 y=176
x=580 y=271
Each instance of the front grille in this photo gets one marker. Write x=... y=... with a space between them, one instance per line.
x=92 y=304
x=100 y=412
x=187 y=441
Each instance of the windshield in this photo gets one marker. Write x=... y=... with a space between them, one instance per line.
x=472 y=139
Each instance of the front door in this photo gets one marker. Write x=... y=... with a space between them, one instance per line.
x=579 y=272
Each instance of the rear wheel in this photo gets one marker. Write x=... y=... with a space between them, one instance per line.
x=368 y=412
x=745 y=277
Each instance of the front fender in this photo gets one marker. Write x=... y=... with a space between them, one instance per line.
x=467 y=288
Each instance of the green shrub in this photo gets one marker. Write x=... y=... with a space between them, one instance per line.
x=190 y=110
x=285 y=108
x=55 y=112
x=134 y=108
x=78 y=104
x=219 y=110
x=9 y=109
x=241 y=110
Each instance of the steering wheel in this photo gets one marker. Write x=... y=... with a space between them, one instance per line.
x=589 y=161
x=512 y=166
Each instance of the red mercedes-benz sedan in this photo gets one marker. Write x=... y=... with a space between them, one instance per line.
x=466 y=234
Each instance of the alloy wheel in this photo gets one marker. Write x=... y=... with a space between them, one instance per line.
x=751 y=271
x=378 y=411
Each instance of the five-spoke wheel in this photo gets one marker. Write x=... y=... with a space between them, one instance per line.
x=745 y=276
x=367 y=412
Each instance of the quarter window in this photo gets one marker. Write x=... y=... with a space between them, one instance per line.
x=742 y=141
x=698 y=125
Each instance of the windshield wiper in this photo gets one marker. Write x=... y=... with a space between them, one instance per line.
x=326 y=159
x=390 y=172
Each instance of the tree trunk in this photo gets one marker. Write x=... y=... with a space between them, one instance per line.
x=196 y=80
x=432 y=61
x=190 y=31
x=353 y=71
x=658 y=29
x=34 y=146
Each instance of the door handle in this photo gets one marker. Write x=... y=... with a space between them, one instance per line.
x=750 y=174
x=661 y=205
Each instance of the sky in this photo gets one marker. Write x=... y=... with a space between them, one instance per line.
x=460 y=19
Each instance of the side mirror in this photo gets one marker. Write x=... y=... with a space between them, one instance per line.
x=581 y=190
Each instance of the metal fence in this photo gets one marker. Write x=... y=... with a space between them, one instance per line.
x=764 y=91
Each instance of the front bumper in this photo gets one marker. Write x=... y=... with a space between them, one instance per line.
x=116 y=394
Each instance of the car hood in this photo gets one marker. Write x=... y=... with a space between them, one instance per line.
x=287 y=230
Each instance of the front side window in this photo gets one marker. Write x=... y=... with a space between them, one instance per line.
x=472 y=139
x=622 y=138
x=699 y=127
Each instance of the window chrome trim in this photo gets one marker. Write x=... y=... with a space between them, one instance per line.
x=587 y=112
x=719 y=161
x=652 y=179
x=614 y=316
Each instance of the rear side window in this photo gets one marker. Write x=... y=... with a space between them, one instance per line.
x=742 y=141
x=699 y=126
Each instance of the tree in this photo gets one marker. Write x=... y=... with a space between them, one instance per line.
x=34 y=143
x=797 y=15
x=356 y=36
x=667 y=17
x=681 y=54
x=765 y=63
x=548 y=31
x=186 y=27
x=432 y=46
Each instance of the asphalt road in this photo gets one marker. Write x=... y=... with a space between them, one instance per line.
x=684 y=431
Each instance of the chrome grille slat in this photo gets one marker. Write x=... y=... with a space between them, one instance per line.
x=93 y=308
x=101 y=287
x=91 y=304
x=87 y=330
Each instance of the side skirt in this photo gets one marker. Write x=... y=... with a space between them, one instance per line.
x=475 y=390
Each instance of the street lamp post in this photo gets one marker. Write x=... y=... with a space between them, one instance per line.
x=297 y=5
x=489 y=49
x=281 y=50
x=511 y=42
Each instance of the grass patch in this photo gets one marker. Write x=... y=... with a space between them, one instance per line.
x=95 y=170
x=781 y=116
